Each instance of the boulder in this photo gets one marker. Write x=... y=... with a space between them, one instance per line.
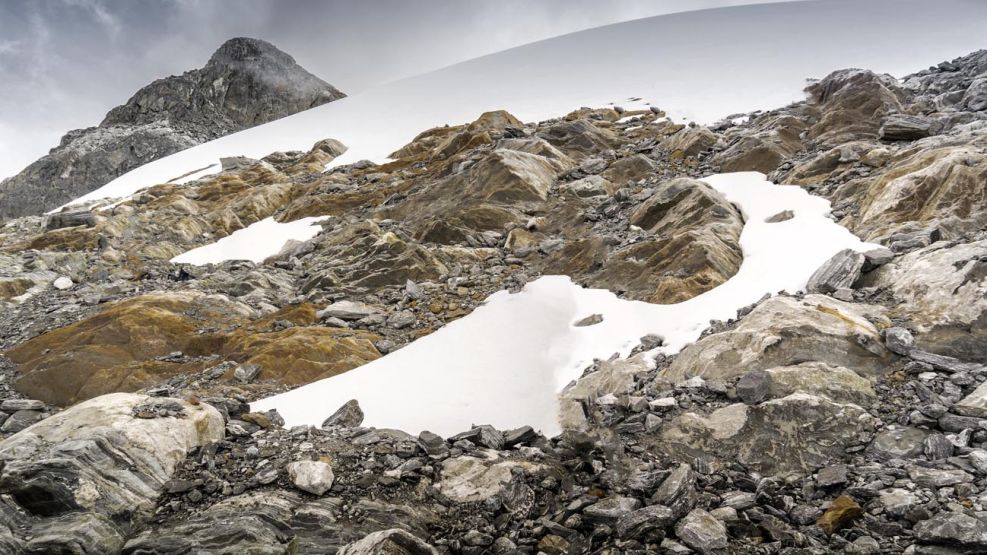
x=940 y=289
x=902 y=127
x=784 y=331
x=839 y=272
x=799 y=432
x=394 y=541
x=702 y=532
x=315 y=477
x=102 y=458
x=955 y=529
x=468 y=479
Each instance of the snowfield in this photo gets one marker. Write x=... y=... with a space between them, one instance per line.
x=701 y=65
x=505 y=363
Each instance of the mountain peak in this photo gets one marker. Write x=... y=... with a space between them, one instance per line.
x=246 y=49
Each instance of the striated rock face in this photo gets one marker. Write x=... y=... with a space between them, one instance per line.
x=941 y=292
x=246 y=82
x=87 y=476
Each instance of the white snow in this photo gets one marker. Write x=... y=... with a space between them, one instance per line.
x=505 y=363
x=255 y=242
x=700 y=65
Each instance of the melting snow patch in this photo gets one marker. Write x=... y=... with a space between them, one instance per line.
x=505 y=363
x=255 y=242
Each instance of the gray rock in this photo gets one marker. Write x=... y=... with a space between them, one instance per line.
x=840 y=271
x=20 y=420
x=677 y=491
x=395 y=541
x=69 y=218
x=974 y=404
x=246 y=373
x=702 y=532
x=876 y=258
x=590 y=320
x=642 y=522
x=899 y=340
x=942 y=362
x=315 y=477
x=901 y=127
x=347 y=310
x=936 y=478
x=782 y=216
x=832 y=476
x=953 y=529
x=609 y=510
x=433 y=444
x=350 y=415
x=753 y=387
x=897 y=443
x=13 y=405
x=937 y=447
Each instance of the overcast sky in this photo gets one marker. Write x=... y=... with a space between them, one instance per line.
x=65 y=63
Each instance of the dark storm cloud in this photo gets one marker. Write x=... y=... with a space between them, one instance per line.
x=64 y=63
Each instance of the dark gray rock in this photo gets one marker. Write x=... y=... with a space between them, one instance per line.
x=899 y=340
x=677 y=491
x=901 y=127
x=20 y=420
x=642 y=523
x=350 y=415
x=942 y=362
x=953 y=529
x=832 y=476
x=702 y=532
x=753 y=387
x=71 y=218
x=839 y=272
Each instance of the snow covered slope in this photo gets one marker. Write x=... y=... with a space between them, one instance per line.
x=255 y=242
x=699 y=65
x=505 y=363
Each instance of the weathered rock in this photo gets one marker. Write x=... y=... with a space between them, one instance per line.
x=349 y=415
x=783 y=331
x=897 y=443
x=611 y=509
x=839 y=272
x=114 y=466
x=842 y=512
x=902 y=127
x=347 y=310
x=899 y=340
x=796 y=432
x=468 y=479
x=818 y=378
x=955 y=529
x=753 y=387
x=940 y=289
x=315 y=477
x=641 y=523
x=702 y=532
x=677 y=491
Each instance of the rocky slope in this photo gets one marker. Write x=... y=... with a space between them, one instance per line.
x=245 y=83
x=849 y=417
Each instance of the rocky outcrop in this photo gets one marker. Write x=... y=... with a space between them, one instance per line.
x=246 y=82
x=148 y=339
x=88 y=476
x=783 y=331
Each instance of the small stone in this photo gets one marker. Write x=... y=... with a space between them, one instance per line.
x=62 y=283
x=899 y=340
x=832 y=476
x=937 y=447
x=433 y=444
x=14 y=405
x=401 y=320
x=245 y=373
x=642 y=522
x=347 y=310
x=553 y=545
x=608 y=510
x=782 y=216
x=840 y=514
x=864 y=545
x=315 y=477
x=753 y=387
x=350 y=415
x=590 y=320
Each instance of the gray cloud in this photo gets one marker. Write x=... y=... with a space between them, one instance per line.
x=64 y=63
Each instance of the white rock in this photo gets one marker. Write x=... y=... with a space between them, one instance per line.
x=315 y=477
x=62 y=283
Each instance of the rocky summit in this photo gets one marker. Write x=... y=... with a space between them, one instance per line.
x=847 y=416
x=245 y=83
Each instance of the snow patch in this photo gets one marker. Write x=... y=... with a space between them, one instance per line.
x=505 y=363
x=255 y=242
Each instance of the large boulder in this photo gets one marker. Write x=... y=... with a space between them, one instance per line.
x=940 y=292
x=799 y=432
x=785 y=331
x=107 y=458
